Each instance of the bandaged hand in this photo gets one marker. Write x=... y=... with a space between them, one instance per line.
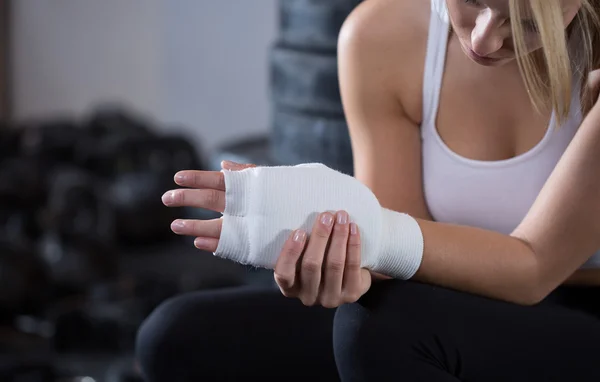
x=261 y=206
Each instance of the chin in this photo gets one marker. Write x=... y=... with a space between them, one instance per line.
x=491 y=63
x=486 y=61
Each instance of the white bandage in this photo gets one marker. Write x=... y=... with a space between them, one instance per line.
x=263 y=205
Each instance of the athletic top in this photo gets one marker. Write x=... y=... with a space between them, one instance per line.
x=494 y=195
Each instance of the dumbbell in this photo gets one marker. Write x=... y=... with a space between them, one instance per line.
x=139 y=170
x=122 y=154
x=166 y=154
x=107 y=156
x=78 y=206
x=109 y=119
x=140 y=216
x=136 y=191
x=97 y=325
x=74 y=264
x=161 y=155
x=54 y=140
x=78 y=224
x=106 y=133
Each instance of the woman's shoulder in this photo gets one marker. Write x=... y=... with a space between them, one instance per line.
x=389 y=38
x=402 y=24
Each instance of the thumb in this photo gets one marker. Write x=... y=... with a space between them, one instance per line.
x=233 y=166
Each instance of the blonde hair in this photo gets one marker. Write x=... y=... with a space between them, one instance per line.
x=547 y=73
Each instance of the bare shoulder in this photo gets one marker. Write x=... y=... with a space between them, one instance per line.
x=386 y=41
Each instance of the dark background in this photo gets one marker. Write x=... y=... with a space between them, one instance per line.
x=100 y=104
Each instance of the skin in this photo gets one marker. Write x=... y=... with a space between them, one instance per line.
x=298 y=271
x=483 y=27
x=381 y=53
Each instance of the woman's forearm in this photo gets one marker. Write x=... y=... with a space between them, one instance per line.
x=556 y=237
x=481 y=262
x=486 y=263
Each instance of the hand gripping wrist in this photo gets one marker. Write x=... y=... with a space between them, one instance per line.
x=264 y=204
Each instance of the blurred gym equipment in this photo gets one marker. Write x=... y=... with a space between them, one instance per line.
x=313 y=24
x=86 y=252
x=303 y=138
x=307 y=116
x=82 y=228
x=305 y=81
x=254 y=150
x=24 y=281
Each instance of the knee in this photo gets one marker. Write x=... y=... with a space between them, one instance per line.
x=397 y=303
x=159 y=337
x=388 y=309
x=400 y=313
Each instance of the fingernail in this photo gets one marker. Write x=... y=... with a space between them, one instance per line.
x=179 y=178
x=299 y=236
x=342 y=217
x=327 y=219
x=177 y=225
x=168 y=197
x=229 y=163
x=353 y=229
x=201 y=243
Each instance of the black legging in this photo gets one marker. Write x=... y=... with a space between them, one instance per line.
x=238 y=334
x=399 y=331
x=404 y=331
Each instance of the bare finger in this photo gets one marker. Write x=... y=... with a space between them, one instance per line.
x=335 y=262
x=352 y=283
x=204 y=228
x=287 y=263
x=208 y=244
x=365 y=284
x=201 y=179
x=213 y=200
x=312 y=261
x=234 y=166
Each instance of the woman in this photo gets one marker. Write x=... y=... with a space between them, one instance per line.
x=478 y=119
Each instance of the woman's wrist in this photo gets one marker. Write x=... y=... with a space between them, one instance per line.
x=379 y=277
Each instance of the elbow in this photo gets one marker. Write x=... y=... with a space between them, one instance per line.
x=530 y=292
x=524 y=290
x=537 y=290
x=532 y=287
x=529 y=297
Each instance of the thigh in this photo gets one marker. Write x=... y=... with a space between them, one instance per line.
x=236 y=333
x=421 y=331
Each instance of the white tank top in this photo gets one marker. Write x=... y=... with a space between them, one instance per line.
x=494 y=195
